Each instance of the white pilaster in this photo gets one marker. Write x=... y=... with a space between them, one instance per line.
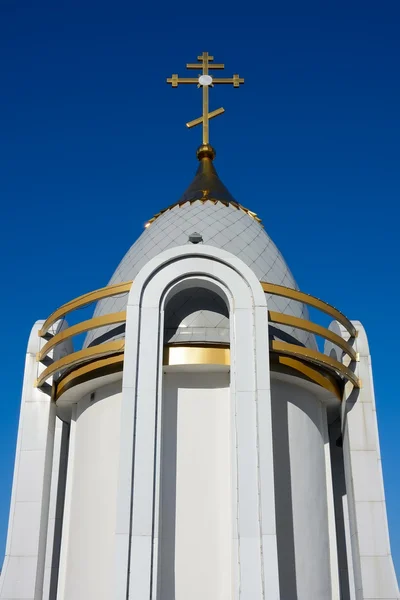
x=374 y=573
x=23 y=569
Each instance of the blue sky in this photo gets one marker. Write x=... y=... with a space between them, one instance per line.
x=93 y=143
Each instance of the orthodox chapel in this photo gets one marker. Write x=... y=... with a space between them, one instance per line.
x=208 y=440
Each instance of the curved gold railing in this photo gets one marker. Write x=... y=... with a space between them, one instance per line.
x=81 y=301
x=281 y=290
x=95 y=323
x=315 y=357
x=296 y=322
x=79 y=357
x=89 y=362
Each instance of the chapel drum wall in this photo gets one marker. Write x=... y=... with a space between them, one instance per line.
x=90 y=518
x=299 y=425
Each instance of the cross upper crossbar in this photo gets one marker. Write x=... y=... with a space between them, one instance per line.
x=200 y=65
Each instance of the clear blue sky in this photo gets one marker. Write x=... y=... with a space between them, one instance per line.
x=93 y=143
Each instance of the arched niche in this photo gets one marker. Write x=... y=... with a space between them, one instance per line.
x=194 y=503
x=196 y=311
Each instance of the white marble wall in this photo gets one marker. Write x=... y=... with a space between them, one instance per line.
x=302 y=496
x=87 y=547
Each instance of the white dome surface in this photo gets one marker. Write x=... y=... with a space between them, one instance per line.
x=222 y=226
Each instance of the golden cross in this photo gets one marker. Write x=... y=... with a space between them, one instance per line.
x=205 y=81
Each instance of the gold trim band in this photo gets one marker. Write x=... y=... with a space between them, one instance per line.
x=281 y=290
x=81 y=301
x=312 y=374
x=119 y=317
x=89 y=371
x=289 y=355
x=251 y=214
x=311 y=327
x=196 y=355
x=78 y=357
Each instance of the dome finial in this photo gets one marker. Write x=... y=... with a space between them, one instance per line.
x=206 y=151
x=204 y=80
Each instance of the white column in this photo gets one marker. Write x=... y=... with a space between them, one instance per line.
x=23 y=568
x=371 y=557
x=265 y=454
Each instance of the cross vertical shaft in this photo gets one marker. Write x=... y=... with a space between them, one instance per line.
x=206 y=136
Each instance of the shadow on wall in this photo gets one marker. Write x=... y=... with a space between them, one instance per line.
x=339 y=495
x=283 y=500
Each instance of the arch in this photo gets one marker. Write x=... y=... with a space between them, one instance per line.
x=250 y=396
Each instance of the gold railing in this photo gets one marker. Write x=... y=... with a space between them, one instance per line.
x=87 y=362
x=82 y=301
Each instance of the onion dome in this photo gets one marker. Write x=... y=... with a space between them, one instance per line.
x=206 y=213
